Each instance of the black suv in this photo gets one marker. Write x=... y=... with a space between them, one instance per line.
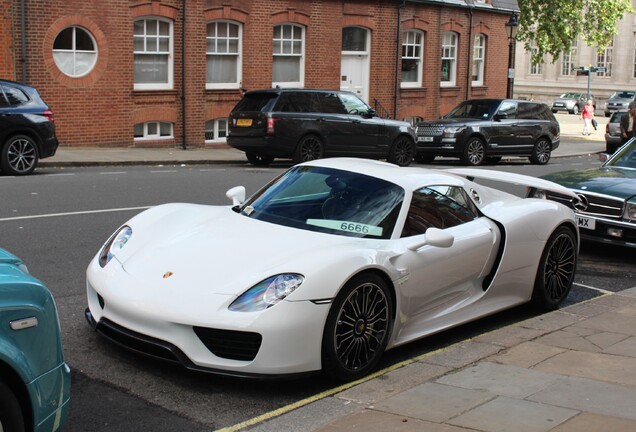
x=27 y=132
x=484 y=130
x=312 y=124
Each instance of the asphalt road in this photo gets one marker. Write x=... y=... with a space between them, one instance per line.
x=57 y=219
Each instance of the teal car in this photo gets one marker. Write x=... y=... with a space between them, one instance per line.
x=34 y=379
x=606 y=210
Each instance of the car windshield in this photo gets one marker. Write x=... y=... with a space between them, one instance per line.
x=625 y=157
x=329 y=200
x=571 y=95
x=623 y=95
x=479 y=109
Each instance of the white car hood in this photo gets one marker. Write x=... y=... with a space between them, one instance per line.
x=218 y=251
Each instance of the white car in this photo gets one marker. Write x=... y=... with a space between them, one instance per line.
x=327 y=266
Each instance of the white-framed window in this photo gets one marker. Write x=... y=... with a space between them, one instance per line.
x=153 y=131
x=412 y=55
x=223 y=55
x=449 y=59
x=604 y=59
x=153 y=52
x=75 y=51
x=479 y=56
x=216 y=130
x=568 y=60
x=288 y=68
x=535 y=68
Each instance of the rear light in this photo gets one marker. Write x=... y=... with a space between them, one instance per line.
x=49 y=115
x=270 y=125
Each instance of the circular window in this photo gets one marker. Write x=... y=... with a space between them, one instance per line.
x=74 y=51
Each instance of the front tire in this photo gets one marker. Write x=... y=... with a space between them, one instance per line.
x=309 y=148
x=19 y=155
x=10 y=412
x=358 y=328
x=474 y=152
x=402 y=151
x=541 y=152
x=258 y=159
x=575 y=110
x=556 y=270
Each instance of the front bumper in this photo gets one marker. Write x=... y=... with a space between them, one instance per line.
x=609 y=231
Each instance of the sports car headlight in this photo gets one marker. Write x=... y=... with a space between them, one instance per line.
x=114 y=245
x=267 y=293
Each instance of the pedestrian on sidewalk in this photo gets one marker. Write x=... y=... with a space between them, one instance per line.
x=627 y=123
x=587 y=114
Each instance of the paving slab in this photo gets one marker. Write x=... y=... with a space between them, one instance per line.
x=588 y=422
x=626 y=347
x=620 y=320
x=434 y=402
x=552 y=321
x=509 y=336
x=462 y=354
x=506 y=414
x=596 y=366
x=582 y=339
x=373 y=421
x=586 y=309
x=526 y=354
x=502 y=380
x=592 y=396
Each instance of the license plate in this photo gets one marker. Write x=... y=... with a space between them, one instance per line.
x=244 y=122
x=424 y=139
x=558 y=104
x=586 y=223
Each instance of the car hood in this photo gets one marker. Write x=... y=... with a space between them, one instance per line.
x=217 y=251
x=564 y=100
x=613 y=181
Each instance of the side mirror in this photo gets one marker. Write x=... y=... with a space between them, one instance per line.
x=604 y=157
x=371 y=113
x=500 y=116
x=236 y=194
x=434 y=237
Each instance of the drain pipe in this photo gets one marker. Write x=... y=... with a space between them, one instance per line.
x=23 y=31
x=398 y=50
x=183 y=78
x=471 y=45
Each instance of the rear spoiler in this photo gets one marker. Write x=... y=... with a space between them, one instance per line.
x=533 y=184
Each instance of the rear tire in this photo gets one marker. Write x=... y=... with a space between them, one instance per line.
x=10 y=411
x=19 y=156
x=258 y=159
x=358 y=328
x=541 y=152
x=556 y=269
x=402 y=151
x=309 y=148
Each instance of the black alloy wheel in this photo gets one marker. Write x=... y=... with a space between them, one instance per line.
x=259 y=159
x=11 y=419
x=309 y=148
x=474 y=152
x=541 y=152
x=557 y=266
x=19 y=155
x=402 y=151
x=358 y=328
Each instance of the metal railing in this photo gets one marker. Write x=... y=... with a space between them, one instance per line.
x=380 y=110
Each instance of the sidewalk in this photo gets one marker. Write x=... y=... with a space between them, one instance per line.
x=571 y=370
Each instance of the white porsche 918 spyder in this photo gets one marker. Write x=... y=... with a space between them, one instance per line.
x=327 y=266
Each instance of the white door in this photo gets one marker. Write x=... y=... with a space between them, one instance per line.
x=354 y=67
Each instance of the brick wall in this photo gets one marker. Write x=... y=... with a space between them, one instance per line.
x=101 y=108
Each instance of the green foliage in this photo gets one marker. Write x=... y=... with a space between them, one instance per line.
x=552 y=26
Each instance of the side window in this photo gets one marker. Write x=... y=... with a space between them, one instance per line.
x=509 y=108
x=529 y=111
x=3 y=100
x=438 y=207
x=296 y=102
x=353 y=104
x=15 y=96
x=330 y=103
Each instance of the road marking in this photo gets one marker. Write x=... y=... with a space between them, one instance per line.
x=163 y=171
x=601 y=290
x=114 y=172
x=73 y=213
x=60 y=174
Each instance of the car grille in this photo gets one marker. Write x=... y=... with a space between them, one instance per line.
x=602 y=205
x=430 y=130
x=230 y=344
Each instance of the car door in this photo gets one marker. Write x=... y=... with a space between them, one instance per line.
x=443 y=280
x=502 y=130
x=366 y=135
x=5 y=113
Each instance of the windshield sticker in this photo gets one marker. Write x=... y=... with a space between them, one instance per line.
x=352 y=227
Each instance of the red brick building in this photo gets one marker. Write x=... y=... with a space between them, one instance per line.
x=168 y=72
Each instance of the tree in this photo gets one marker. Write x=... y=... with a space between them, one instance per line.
x=552 y=26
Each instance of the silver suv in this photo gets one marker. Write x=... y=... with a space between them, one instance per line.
x=618 y=101
x=571 y=102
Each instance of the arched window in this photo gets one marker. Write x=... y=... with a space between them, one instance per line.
x=288 y=68
x=223 y=55
x=479 y=57
x=412 y=56
x=153 y=52
x=74 y=51
x=449 y=59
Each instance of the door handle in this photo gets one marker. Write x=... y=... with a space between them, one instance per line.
x=356 y=121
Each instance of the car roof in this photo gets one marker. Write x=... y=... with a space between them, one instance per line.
x=409 y=178
x=295 y=90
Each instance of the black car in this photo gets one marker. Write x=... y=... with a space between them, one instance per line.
x=484 y=130
x=27 y=131
x=312 y=124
